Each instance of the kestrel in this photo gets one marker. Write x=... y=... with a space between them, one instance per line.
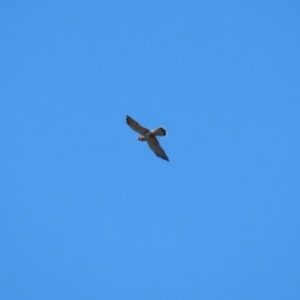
x=149 y=136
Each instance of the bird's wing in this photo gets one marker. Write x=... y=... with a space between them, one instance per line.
x=136 y=126
x=156 y=148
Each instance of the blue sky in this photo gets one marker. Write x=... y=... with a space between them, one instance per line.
x=88 y=212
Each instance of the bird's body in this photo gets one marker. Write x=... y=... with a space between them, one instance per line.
x=149 y=136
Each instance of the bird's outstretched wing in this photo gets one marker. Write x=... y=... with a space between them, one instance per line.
x=156 y=148
x=136 y=126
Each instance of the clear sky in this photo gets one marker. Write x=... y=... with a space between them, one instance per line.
x=89 y=212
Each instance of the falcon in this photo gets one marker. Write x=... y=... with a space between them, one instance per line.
x=149 y=136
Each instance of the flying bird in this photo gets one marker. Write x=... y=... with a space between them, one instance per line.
x=149 y=136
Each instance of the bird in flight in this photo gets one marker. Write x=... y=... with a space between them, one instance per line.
x=149 y=136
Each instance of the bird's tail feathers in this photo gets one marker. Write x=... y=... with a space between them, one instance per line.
x=160 y=131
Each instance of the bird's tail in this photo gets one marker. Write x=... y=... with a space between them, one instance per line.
x=160 y=131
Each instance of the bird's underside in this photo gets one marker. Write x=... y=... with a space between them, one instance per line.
x=149 y=136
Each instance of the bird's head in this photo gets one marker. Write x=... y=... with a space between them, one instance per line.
x=141 y=138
